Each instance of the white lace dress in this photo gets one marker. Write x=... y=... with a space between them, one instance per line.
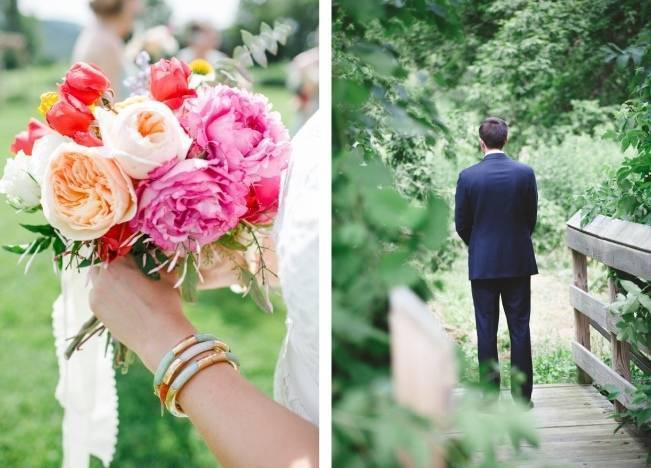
x=296 y=384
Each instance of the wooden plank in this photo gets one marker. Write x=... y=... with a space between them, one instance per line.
x=422 y=356
x=635 y=235
x=601 y=373
x=622 y=257
x=581 y=323
x=592 y=307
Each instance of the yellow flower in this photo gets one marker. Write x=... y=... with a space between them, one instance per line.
x=201 y=67
x=47 y=101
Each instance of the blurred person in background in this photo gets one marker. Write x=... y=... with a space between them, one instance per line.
x=102 y=41
x=303 y=80
x=203 y=43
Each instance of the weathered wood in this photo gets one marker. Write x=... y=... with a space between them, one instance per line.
x=575 y=428
x=422 y=360
x=625 y=257
x=635 y=235
x=581 y=322
x=422 y=356
x=591 y=307
x=601 y=373
x=621 y=351
x=604 y=321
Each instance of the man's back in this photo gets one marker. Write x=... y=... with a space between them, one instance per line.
x=496 y=206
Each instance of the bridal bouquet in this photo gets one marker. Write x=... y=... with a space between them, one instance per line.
x=184 y=173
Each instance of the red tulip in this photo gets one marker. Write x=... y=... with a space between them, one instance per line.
x=85 y=82
x=169 y=82
x=262 y=201
x=25 y=140
x=112 y=244
x=69 y=116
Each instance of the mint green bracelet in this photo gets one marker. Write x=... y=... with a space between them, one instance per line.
x=179 y=348
x=190 y=371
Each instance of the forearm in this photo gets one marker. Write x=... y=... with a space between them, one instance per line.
x=242 y=426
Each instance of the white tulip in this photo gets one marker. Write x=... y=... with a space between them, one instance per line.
x=143 y=136
x=18 y=184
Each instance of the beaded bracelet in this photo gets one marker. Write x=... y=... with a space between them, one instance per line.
x=190 y=371
x=179 y=348
x=183 y=358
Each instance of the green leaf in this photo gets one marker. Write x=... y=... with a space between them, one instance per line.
x=16 y=248
x=43 y=229
x=190 y=280
x=230 y=243
x=630 y=287
x=256 y=291
x=645 y=301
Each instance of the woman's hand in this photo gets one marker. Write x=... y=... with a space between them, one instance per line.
x=144 y=314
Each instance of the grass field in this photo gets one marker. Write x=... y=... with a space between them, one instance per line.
x=30 y=417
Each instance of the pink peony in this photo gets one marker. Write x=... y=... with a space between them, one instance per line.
x=190 y=203
x=239 y=131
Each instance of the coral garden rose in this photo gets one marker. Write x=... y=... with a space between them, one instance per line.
x=85 y=192
x=17 y=183
x=25 y=140
x=114 y=243
x=69 y=116
x=143 y=136
x=262 y=201
x=189 y=204
x=169 y=82
x=238 y=130
x=85 y=82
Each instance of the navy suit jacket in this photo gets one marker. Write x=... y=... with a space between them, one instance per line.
x=495 y=215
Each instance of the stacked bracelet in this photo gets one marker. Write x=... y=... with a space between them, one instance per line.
x=190 y=371
x=176 y=368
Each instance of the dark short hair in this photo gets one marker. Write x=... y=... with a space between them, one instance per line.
x=493 y=131
x=106 y=8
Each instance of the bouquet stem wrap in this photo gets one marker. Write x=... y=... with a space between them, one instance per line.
x=86 y=388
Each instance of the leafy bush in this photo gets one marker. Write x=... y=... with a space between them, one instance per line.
x=565 y=171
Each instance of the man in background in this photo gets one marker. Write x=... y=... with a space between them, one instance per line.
x=495 y=215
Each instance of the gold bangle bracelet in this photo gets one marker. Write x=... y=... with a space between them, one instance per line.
x=190 y=353
x=190 y=371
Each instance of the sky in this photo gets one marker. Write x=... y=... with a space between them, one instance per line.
x=222 y=12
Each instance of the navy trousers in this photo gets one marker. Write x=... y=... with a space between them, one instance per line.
x=516 y=299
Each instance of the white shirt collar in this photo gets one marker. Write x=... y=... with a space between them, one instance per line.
x=493 y=151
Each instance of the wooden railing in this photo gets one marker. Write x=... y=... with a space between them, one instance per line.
x=623 y=246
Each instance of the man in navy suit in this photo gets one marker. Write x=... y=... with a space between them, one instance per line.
x=495 y=215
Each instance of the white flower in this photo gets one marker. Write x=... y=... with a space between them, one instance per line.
x=143 y=136
x=42 y=152
x=19 y=186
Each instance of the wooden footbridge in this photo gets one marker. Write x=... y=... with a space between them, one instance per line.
x=575 y=422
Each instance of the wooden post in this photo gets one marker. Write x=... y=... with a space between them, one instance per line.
x=621 y=351
x=581 y=322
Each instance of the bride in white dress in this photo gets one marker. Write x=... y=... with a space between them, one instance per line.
x=240 y=425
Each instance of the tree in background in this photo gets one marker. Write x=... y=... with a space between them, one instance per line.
x=20 y=26
x=156 y=12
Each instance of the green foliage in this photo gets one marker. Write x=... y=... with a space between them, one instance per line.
x=539 y=56
x=634 y=311
x=627 y=195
